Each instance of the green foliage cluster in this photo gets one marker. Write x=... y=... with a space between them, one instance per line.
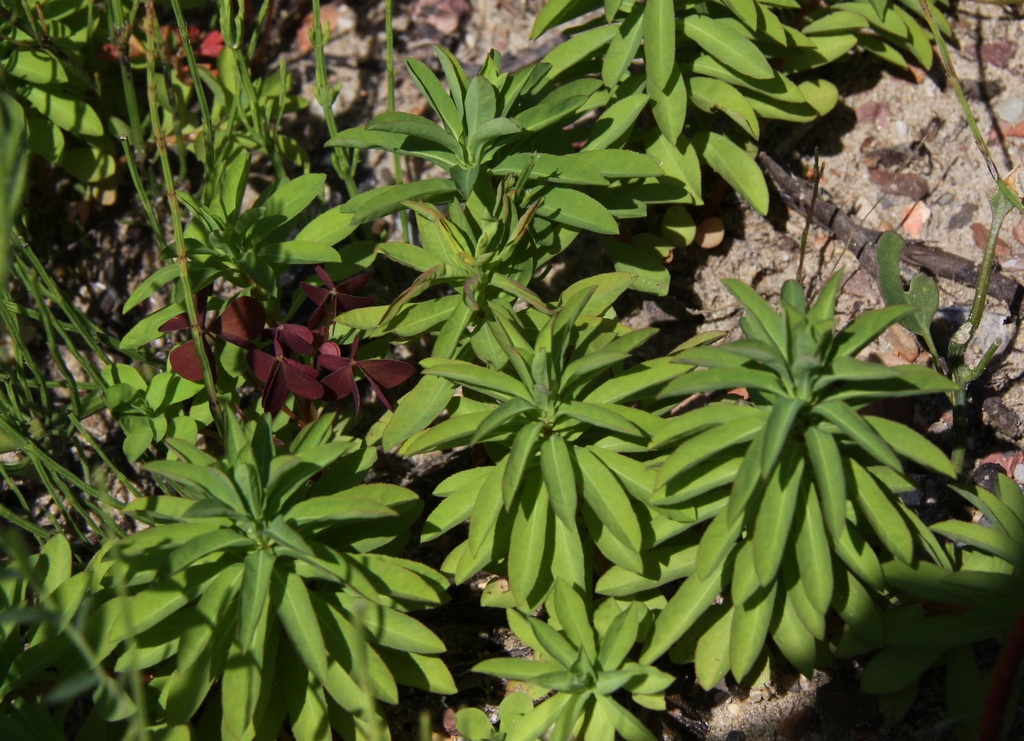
x=713 y=71
x=268 y=586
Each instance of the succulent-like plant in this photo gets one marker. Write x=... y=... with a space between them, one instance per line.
x=257 y=577
x=555 y=435
x=584 y=667
x=798 y=486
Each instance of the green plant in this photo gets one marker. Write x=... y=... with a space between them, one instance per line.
x=256 y=573
x=560 y=435
x=724 y=57
x=944 y=614
x=799 y=488
x=47 y=66
x=585 y=667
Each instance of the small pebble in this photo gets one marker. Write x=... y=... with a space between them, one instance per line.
x=944 y=200
x=1010 y=109
x=1018 y=473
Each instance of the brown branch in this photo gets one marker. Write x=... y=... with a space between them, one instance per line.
x=862 y=242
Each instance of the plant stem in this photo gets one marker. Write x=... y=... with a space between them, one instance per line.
x=209 y=150
x=326 y=96
x=172 y=201
x=389 y=31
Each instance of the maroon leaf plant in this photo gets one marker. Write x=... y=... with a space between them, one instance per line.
x=280 y=374
x=379 y=373
x=331 y=300
x=240 y=323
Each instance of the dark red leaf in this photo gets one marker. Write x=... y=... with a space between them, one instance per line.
x=330 y=348
x=334 y=363
x=324 y=277
x=343 y=383
x=300 y=379
x=175 y=324
x=242 y=321
x=185 y=361
x=388 y=373
x=316 y=293
x=355 y=284
x=296 y=338
x=262 y=364
x=275 y=392
x=379 y=392
x=348 y=303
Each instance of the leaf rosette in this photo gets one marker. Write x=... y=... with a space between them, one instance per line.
x=798 y=488
x=262 y=578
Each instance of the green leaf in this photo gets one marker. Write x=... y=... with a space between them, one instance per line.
x=531 y=543
x=615 y=122
x=644 y=262
x=727 y=45
x=417 y=409
x=859 y=333
x=573 y=50
x=830 y=480
x=418 y=126
x=893 y=668
x=619 y=163
x=559 y=478
x=340 y=507
x=295 y=609
x=855 y=605
x=711 y=658
x=505 y=413
x=911 y=444
x=148 y=329
x=391 y=197
x=518 y=459
x=422 y=672
x=435 y=94
x=780 y=422
x=750 y=623
x=987 y=539
x=209 y=480
x=623 y=47
x=298 y=253
x=487 y=508
x=923 y=294
x=710 y=94
x=568 y=169
x=734 y=164
x=814 y=555
x=495 y=383
x=391 y=628
x=775 y=517
x=203 y=545
x=689 y=602
x=701 y=447
x=609 y=501
x=793 y=638
x=853 y=426
x=70 y=113
x=291 y=198
x=599 y=415
x=259 y=566
x=558 y=11
x=884 y=516
x=659 y=28
x=576 y=209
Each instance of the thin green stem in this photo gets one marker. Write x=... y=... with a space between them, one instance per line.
x=326 y=96
x=389 y=31
x=209 y=150
x=176 y=219
x=122 y=29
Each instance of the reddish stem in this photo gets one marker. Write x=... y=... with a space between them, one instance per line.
x=1002 y=684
